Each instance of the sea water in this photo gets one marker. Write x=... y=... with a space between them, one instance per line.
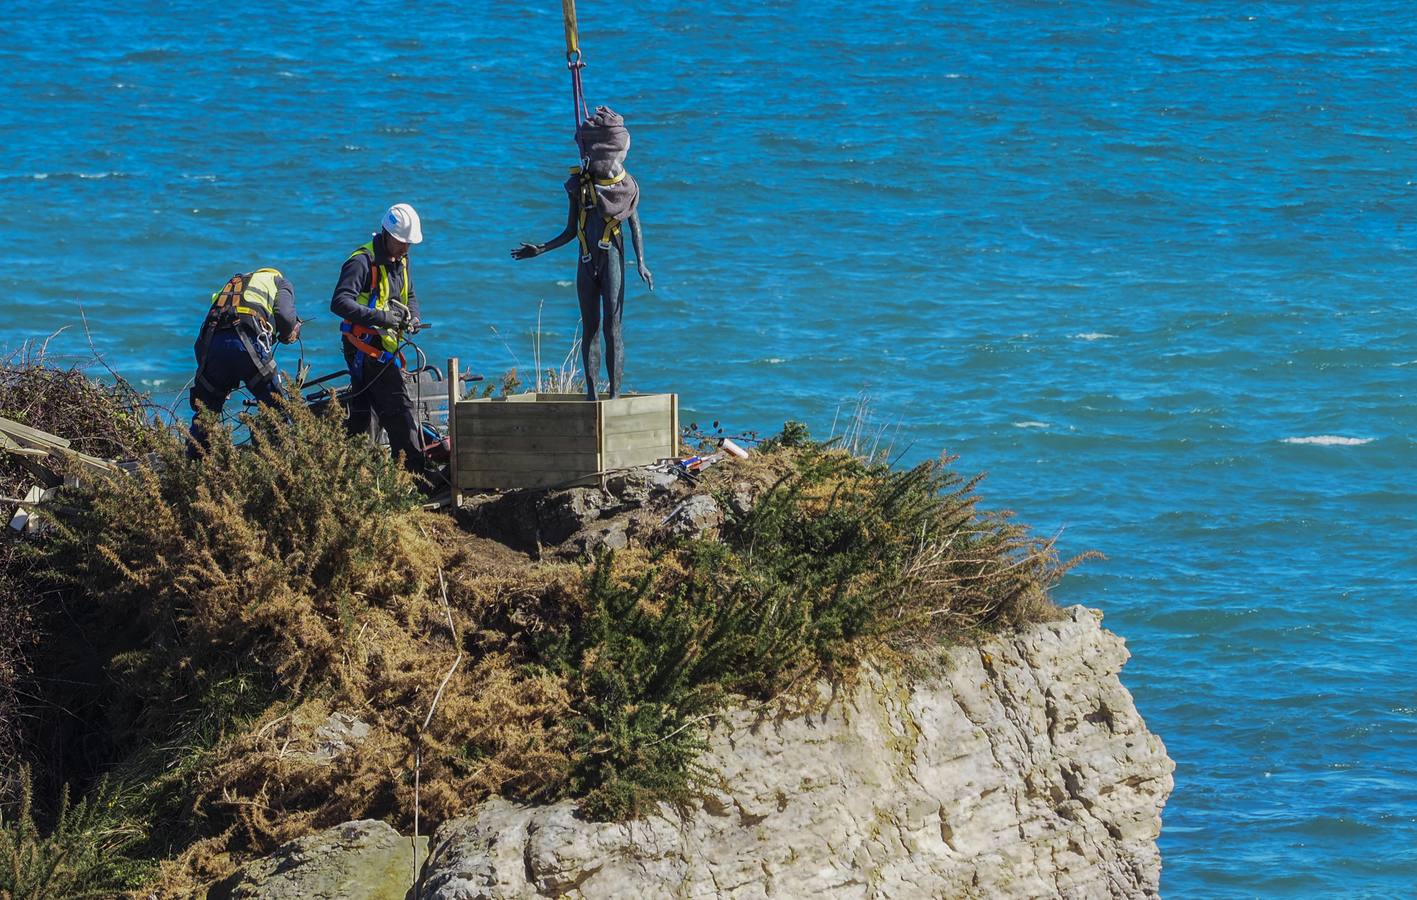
x=1149 y=264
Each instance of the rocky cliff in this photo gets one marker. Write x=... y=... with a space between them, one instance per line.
x=1022 y=770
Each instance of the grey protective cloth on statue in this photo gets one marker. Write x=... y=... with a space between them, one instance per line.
x=605 y=141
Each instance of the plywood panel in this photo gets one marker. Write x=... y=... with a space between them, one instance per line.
x=630 y=406
x=638 y=422
x=657 y=438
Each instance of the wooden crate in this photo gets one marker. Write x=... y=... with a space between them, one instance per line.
x=557 y=440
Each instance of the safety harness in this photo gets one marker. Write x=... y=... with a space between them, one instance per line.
x=244 y=305
x=588 y=206
x=363 y=337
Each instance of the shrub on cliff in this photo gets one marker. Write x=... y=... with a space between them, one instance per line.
x=100 y=418
x=82 y=855
x=840 y=560
x=235 y=573
x=217 y=610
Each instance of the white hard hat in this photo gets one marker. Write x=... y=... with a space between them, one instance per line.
x=401 y=222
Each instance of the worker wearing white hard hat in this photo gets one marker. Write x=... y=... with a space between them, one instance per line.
x=375 y=299
x=401 y=223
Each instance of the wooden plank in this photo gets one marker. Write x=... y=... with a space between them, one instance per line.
x=573 y=463
x=528 y=443
x=31 y=437
x=674 y=418
x=639 y=456
x=599 y=436
x=531 y=426
x=91 y=462
x=497 y=409
x=532 y=400
x=639 y=422
x=453 y=382
x=10 y=446
x=636 y=440
x=482 y=480
x=630 y=406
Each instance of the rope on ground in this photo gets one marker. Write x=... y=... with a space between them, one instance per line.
x=438 y=695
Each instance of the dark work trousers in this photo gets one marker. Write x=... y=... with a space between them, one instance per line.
x=228 y=367
x=600 y=285
x=379 y=388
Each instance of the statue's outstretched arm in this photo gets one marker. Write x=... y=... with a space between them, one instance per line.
x=527 y=251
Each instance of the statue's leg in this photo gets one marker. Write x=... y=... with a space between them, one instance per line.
x=588 y=291
x=612 y=286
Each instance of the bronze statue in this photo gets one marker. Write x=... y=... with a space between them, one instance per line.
x=603 y=199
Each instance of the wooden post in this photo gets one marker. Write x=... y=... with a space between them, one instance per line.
x=674 y=427
x=600 y=454
x=454 y=394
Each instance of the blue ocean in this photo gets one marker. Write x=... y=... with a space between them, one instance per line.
x=1148 y=264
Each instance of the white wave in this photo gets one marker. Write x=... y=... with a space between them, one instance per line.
x=1032 y=424
x=1328 y=440
x=774 y=360
x=1093 y=336
x=563 y=284
x=91 y=176
x=40 y=176
x=1410 y=362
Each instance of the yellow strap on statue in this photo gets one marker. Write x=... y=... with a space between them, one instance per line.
x=612 y=231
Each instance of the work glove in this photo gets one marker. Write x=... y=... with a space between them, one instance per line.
x=393 y=317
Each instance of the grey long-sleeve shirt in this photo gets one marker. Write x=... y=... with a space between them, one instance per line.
x=354 y=280
x=284 y=309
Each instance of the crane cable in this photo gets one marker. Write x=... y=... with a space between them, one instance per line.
x=574 y=63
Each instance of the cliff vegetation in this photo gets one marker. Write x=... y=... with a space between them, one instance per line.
x=218 y=655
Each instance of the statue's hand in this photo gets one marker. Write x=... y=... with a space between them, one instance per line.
x=527 y=251
x=646 y=276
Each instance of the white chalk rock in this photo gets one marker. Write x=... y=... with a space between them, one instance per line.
x=1022 y=771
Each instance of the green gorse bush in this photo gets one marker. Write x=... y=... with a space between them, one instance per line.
x=842 y=559
x=83 y=855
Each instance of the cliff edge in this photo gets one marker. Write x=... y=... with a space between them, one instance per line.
x=1023 y=770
